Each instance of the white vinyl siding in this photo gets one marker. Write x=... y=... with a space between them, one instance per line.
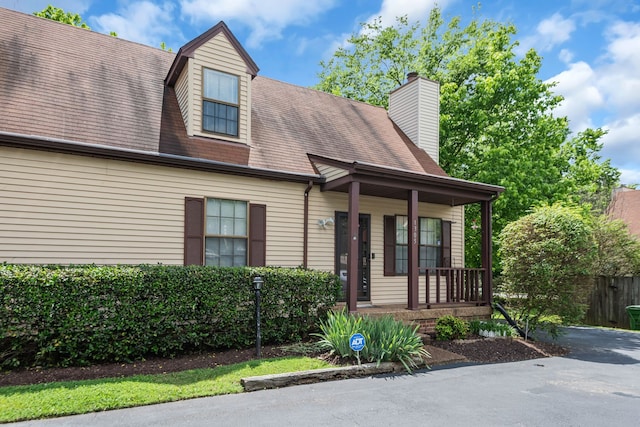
x=415 y=108
x=59 y=208
x=182 y=89
x=330 y=172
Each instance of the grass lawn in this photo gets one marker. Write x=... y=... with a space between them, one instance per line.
x=78 y=397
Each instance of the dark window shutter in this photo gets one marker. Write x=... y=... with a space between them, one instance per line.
x=193 y=231
x=446 y=244
x=389 y=245
x=257 y=235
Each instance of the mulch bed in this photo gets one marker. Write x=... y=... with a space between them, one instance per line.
x=498 y=350
x=475 y=350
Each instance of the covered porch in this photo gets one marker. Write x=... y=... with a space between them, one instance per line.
x=445 y=287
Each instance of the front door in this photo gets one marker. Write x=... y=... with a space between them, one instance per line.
x=364 y=253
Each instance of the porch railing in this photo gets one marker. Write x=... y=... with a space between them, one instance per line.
x=454 y=286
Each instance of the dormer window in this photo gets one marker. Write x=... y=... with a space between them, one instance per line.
x=220 y=102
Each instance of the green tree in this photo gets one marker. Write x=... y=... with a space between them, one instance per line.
x=56 y=14
x=548 y=264
x=590 y=180
x=618 y=252
x=496 y=121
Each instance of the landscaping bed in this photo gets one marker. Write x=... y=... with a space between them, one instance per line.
x=497 y=350
x=479 y=350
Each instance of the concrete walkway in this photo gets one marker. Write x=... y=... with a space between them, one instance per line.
x=597 y=384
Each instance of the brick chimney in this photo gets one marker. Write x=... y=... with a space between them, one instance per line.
x=415 y=108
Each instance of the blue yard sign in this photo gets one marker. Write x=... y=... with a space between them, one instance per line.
x=356 y=342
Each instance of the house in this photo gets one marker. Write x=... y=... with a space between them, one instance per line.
x=625 y=206
x=114 y=152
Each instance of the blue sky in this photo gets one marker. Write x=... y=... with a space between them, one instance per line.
x=591 y=48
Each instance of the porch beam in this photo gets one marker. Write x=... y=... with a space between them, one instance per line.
x=337 y=183
x=413 y=249
x=352 y=247
x=486 y=250
x=424 y=187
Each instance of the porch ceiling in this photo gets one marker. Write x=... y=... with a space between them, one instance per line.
x=380 y=181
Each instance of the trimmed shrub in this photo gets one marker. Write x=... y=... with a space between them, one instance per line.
x=547 y=266
x=451 y=328
x=80 y=315
x=387 y=340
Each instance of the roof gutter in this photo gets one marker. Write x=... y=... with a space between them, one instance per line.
x=355 y=167
x=149 y=157
x=409 y=175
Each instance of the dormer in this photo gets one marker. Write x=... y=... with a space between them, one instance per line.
x=212 y=77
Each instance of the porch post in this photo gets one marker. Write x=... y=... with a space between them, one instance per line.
x=412 y=246
x=352 y=251
x=487 y=250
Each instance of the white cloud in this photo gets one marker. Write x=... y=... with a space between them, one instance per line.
x=555 y=30
x=143 y=22
x=550 y=32
x=607 y=91
x=566 y=56
x=266 y=18
x=629 y=176
x=625 y=39
x=578 y=86
x=619 y=75
x=622 y=145
x=415 y=10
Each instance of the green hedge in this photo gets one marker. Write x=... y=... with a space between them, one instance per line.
x=80 y=315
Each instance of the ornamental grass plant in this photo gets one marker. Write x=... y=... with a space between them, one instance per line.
x=387 y=340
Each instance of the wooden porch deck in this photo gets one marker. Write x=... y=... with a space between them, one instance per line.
x=424 y=316
x=460 y=292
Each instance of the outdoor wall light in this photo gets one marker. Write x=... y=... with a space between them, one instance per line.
x=327 y=222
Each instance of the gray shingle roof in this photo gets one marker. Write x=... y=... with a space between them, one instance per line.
x=63 y=82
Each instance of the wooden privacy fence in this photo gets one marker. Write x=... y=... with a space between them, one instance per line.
x=610 y=297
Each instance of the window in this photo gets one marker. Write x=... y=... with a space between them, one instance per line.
x=220 y=103
x=430 y=243
x=196 y=234
x=433 y=245
x=402 y=240
x=226 y=233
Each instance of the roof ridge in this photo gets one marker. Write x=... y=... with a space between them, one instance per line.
x=92 y=33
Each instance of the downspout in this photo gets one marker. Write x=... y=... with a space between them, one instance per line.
x=305 y=229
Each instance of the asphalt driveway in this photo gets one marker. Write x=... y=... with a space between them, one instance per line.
x=597 y=384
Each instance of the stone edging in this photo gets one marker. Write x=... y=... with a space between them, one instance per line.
x=313 y=376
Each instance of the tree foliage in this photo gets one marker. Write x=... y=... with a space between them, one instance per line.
x=618 y=252
x=57 y=14
x=496 y=121
x=547 y=264
x=590 y=179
